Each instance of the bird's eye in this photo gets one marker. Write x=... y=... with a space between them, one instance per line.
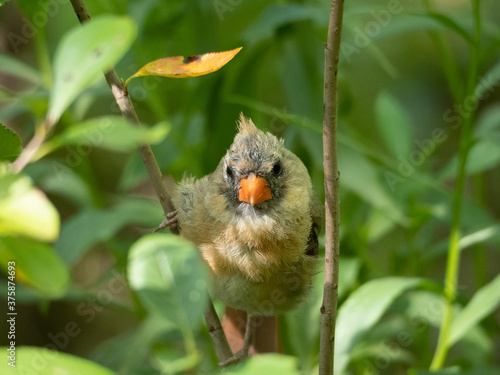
x=229 y=171
x=277 y=168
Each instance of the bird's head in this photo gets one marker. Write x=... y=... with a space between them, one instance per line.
x=255 y=167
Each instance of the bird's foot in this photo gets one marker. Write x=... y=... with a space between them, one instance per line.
x=171 y=221
x=237 y=357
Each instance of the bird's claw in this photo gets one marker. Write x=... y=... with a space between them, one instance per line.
x=171 y=221
x=237 y=357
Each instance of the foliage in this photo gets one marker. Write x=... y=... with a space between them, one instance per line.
x=76 y=221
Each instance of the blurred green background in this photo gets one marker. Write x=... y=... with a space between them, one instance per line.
x=404 y=69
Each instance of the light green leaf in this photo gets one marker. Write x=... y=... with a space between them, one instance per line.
x=480 y=236
x=266 y=364
x=168 y=361
x=112 y=133
x=348 y=274
x=483 y=303
x=36 y=265
x=10 y=144
x=84 y=54
x=25 y=210
x=169 y=276
x=18 y=68
x=361 y=311
x=394 y=124
x=484 y=155
x=42 y=361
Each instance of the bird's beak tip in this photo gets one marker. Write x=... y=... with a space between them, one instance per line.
x=254 y=190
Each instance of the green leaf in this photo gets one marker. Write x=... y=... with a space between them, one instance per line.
x=451 y=24
x=361 y=311
x=488 y=123
x=42 y=361
x=36 y=265
x=10 y=144
x=128 y=350
x=19 y=69
x=360 y=176
x=447 y=371
x=84 y=54
x=483 y=303
x=57 y=178
x=25 y=210
x=394 y=124
x=90 y=227
x=484 y=155
x=277 y=15
x=489 y=81
x=168 y=361
x=480 y=236
x=266 y=364
x=348 y=274
x=169 y=276
x=112 y=133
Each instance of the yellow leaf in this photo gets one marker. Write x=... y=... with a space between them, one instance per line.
x=191 y=66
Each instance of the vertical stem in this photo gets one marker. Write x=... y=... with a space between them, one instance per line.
x=453 y=261
x=332 y=219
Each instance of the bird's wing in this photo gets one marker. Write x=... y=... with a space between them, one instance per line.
x=317 y=215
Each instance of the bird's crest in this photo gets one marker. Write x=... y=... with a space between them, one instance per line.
x=246 y=125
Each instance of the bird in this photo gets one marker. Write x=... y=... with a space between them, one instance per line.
x=255 y=220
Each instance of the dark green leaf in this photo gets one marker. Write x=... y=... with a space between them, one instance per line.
x=446 y=371
x=10 y=144
x=277 y=15
x=90 y=227
x=12 y=66
x=451 y=24
x=360 y=176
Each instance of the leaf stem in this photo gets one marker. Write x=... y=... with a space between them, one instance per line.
x=466 y=143
x=332 y=209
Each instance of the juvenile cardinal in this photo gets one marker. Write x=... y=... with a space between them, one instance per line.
x=255 y=220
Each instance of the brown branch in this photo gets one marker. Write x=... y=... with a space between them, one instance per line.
x=127 y=108
x=222 y=348
x=332 y=209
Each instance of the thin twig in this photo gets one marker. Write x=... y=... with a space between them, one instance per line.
x=332 y=218
x=31 y=148
x=127 y=108
x=222 y=348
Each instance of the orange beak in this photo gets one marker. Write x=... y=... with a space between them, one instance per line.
x=253 y=190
